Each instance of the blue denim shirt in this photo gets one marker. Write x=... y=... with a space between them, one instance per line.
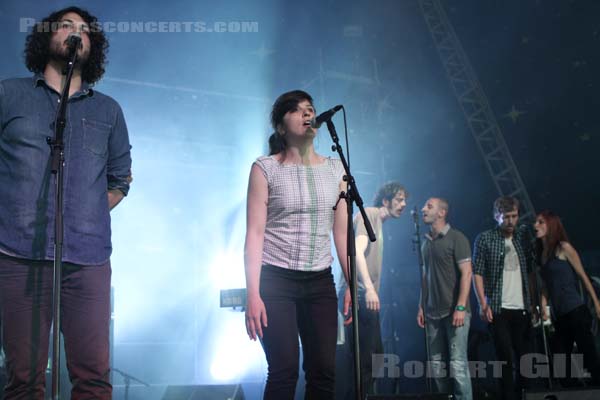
x=97 y=159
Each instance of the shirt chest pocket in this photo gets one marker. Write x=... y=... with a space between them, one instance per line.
x=95 y=136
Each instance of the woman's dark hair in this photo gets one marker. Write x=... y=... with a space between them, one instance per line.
x=37 y=45
x=555 y=234
x=284 y=104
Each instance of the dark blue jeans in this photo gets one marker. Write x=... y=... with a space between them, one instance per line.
x=304 y=304
x=26 y=309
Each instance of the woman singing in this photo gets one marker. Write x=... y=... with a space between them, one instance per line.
x=290 y=287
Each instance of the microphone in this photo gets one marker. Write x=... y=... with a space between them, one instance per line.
x=324 y=117
x=74 y=41
x=415 y=214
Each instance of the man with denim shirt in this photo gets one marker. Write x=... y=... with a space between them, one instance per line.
x=96 y=178
x=445 y=308
x=502 y=262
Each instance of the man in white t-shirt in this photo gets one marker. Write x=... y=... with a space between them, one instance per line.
x=502 y=262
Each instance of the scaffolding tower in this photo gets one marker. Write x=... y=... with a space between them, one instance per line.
x=476 y=108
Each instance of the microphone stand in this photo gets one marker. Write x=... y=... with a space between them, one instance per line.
x=350 y=197
x=528 y=244
x=539 y=310
x=417 y=248
x=57 y=154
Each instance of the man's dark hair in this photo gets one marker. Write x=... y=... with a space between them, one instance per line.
x=387 y=192
x=37 y=45
x=505 y=204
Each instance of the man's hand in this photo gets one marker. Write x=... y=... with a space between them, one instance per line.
x=114 y=197
x=347 y=307
x=458 y=318
x=485 y=312
x=421 y=318
x=372 y=300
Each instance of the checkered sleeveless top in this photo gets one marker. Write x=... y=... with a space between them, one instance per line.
x=300 y=213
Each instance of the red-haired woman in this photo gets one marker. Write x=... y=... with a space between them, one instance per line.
x=561 y=269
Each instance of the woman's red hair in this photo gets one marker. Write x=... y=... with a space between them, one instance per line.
x=555 y=234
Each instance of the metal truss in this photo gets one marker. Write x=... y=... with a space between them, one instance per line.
x=476 y=108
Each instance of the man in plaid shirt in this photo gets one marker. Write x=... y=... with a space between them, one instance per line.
x=502 y=266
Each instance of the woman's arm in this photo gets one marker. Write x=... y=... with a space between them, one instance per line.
x=256 y=218
x=544 y=302
x=575 y=262
x=340 y=238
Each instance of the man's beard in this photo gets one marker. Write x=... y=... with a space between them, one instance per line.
x=61 y=55
x=391 y=212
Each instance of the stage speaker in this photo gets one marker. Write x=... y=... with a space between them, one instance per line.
x=204 y=392
x=411 y=396
x=563 y=394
